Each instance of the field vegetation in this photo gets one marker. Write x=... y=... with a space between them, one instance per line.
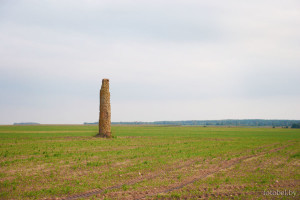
x=148 y=162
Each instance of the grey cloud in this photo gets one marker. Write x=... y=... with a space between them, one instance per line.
x=176 y=23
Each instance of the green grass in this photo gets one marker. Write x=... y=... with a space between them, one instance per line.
x=57 y=161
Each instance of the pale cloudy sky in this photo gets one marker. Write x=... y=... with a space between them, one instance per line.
x=166 y=60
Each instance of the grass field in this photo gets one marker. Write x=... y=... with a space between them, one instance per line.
x=67 y=162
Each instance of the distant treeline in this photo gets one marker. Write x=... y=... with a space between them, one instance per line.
x=295 y=125
x=26 y=123
x=227 y=122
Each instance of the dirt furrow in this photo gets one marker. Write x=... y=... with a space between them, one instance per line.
x=210 y=172
x=150 y=176
x=130 y=182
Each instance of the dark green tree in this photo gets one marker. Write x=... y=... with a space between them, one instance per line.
x=295 y=125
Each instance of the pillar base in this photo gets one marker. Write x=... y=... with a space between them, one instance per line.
x=104 y=135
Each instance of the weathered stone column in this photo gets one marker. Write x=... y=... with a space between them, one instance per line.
x=105 y=113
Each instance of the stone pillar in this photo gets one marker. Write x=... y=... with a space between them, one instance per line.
x=105 y=114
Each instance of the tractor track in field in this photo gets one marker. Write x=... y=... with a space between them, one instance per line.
x=191 y=180
x=130 y=182
x=211 y=172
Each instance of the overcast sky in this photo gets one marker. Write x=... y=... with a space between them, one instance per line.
x=166 y=60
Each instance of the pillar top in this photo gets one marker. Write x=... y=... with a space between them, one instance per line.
x=105 y=83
